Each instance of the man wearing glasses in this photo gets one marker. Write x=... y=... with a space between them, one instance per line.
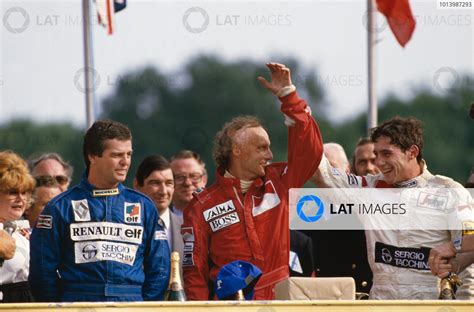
x=53 y=176
x=189 y=175
x=51 y=170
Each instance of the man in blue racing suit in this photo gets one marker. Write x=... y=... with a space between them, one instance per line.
x=100 y=241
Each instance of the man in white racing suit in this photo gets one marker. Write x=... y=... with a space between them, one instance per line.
x=398 y=148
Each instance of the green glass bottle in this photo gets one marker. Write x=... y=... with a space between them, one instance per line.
x=175 y=291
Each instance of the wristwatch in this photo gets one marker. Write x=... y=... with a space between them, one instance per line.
x=457 y=242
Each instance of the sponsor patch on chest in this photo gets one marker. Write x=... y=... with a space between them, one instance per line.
x=132 y=212
x=269 y=200
x=81 y=210
x=432 y=201
x=188 y=259
x=94 y=251
x=188 y=247
x=188 y=234
x=106 y=231
x=218 y=210
x=402 y=257
x=160 y=235
x=224 y=221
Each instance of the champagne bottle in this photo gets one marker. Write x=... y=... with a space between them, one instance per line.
x=175 y=291
x=448 y=287
x=239 y=295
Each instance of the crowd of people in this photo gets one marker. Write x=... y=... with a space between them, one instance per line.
x=102 y=241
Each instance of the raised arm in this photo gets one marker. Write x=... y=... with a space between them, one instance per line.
x=280 y=78
x=305 y=146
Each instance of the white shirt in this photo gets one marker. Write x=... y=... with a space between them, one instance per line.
x=16 y=269
x=165 y=217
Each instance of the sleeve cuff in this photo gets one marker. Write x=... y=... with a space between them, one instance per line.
x=286 y=91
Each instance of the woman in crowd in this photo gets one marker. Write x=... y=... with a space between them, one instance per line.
x=16 y=186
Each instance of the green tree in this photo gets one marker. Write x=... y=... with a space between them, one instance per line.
x=448 y=131
x=168 y=113
x=30 y=139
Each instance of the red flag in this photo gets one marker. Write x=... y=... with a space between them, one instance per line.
x=399 y=17
x=106 y=10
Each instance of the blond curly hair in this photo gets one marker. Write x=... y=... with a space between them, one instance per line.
x=14 y=174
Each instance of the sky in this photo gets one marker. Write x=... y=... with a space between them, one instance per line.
x=41 y=69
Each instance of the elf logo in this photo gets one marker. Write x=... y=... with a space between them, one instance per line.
x=132 y=212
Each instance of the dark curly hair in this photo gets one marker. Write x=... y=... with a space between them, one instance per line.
x=98 y=133
x=403 y=132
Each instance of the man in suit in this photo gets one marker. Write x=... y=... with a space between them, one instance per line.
x=190 y=175
x=154 y=178
x=301 y=255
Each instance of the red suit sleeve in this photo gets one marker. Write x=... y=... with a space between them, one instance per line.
x=305 y=145
x=195 y=255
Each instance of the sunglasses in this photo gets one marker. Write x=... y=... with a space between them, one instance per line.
x=48 y=180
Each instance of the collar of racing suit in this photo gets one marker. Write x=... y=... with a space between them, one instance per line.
x=419 y=181
x=244 y=185
x=94 y=191
x=222 y=178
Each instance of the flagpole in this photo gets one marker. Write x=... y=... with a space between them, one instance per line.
x=88 y=62
x=371 y=40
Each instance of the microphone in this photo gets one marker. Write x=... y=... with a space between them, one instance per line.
x=8 y=227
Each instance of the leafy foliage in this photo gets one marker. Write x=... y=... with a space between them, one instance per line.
x=184 y=110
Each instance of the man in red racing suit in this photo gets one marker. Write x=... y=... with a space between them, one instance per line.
x=244 y=214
